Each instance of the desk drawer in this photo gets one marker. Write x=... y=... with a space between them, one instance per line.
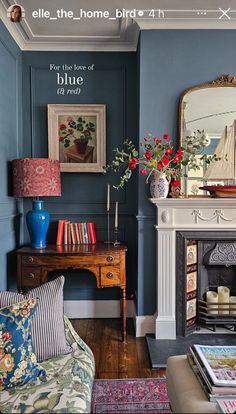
x=71 y=260
x=110 y=276
x=31 y=276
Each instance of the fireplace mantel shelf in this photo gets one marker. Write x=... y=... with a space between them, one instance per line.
x=194 y=202
x=190 y=213
x=176 y=214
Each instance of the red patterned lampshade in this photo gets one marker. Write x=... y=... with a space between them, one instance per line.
x=34 y=177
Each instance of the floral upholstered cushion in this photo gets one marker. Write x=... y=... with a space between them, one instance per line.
x=18 y=363
x=68 y=388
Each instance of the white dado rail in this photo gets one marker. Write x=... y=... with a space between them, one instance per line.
x=175 y=214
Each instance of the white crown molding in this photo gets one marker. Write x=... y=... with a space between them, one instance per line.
x=79 y=47
x=188 y=24
x=125 y=41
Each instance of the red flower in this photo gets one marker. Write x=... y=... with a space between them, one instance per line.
x=143 y=171
x=62 y=127
x=160 y=165
x=165 y=160
x=133 y=163
x=148 y=155
x=180 y=152
x=175 y=183
x=70 y=131
x=177 y=159
x=166 y=136
x=7 y=336
x=61 y=139
x=169 y=150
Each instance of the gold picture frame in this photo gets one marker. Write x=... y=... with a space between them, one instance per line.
x=77 y=136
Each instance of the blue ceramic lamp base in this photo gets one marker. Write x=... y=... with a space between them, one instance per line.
x=37 y=221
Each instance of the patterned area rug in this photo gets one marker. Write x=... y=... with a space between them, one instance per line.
x=140 y=395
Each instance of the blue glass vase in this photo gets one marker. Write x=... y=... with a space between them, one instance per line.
x=38 y=222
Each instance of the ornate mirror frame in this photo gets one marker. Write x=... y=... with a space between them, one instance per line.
x=223 y=81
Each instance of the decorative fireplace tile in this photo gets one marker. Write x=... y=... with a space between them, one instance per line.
x=191 y=254
x=191 y=282
x=191 y=309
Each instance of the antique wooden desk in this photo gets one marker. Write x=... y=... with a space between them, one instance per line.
x=105 y=261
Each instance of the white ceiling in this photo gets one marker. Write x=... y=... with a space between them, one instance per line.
x=107 y=34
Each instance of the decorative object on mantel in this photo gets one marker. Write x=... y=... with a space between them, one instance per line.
x=225 y=170
x=221 y=191
x=36 y=177
x=157 y=159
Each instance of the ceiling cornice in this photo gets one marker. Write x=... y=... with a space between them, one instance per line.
x=125 y=38
x=188 y=24
x=125 y=41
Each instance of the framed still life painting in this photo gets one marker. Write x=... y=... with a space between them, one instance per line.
x=77 y=136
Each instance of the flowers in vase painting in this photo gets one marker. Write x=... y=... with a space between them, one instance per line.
x=77 y=131
x=156 y=156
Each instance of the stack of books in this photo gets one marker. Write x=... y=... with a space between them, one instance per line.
x=75 y=233
x=215 y=369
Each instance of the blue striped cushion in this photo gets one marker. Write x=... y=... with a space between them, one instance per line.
x=48 y=331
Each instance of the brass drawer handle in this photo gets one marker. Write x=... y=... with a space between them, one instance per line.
x=31 y=275
x=30 y=259
x=110 y=275
x=110 y=258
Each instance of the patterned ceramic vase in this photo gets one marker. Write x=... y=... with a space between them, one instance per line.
x=159 y=186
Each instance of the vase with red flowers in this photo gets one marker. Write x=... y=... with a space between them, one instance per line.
x=157 y=159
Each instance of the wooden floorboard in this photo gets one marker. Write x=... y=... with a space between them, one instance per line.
x=113 y=358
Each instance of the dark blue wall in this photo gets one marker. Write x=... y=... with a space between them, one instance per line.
x=10 y=145
x=167 y=63
x=113 y=82
x=170 y=61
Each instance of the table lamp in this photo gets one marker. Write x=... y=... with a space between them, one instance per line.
x=36 y=177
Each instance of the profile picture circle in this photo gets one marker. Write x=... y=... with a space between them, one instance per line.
x=16 y=13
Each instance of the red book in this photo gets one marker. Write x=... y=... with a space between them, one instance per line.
x=60 y=231
x=92 y=232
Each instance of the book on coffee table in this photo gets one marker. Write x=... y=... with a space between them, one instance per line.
x=219 y=362
x=226 y=405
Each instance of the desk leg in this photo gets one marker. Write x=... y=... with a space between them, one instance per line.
x=124 y=314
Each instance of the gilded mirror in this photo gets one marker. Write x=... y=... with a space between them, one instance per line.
x=210 y=110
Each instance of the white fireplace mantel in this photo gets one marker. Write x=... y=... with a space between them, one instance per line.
x=175 y=214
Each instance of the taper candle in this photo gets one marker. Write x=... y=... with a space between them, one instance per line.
x=108 y=197
x=116 y=215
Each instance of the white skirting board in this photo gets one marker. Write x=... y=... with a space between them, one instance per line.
x=144 y=325
x=83 y=309
x=96 y=309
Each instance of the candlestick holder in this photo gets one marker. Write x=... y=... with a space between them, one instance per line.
x=108 y=241
x=116 y=234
